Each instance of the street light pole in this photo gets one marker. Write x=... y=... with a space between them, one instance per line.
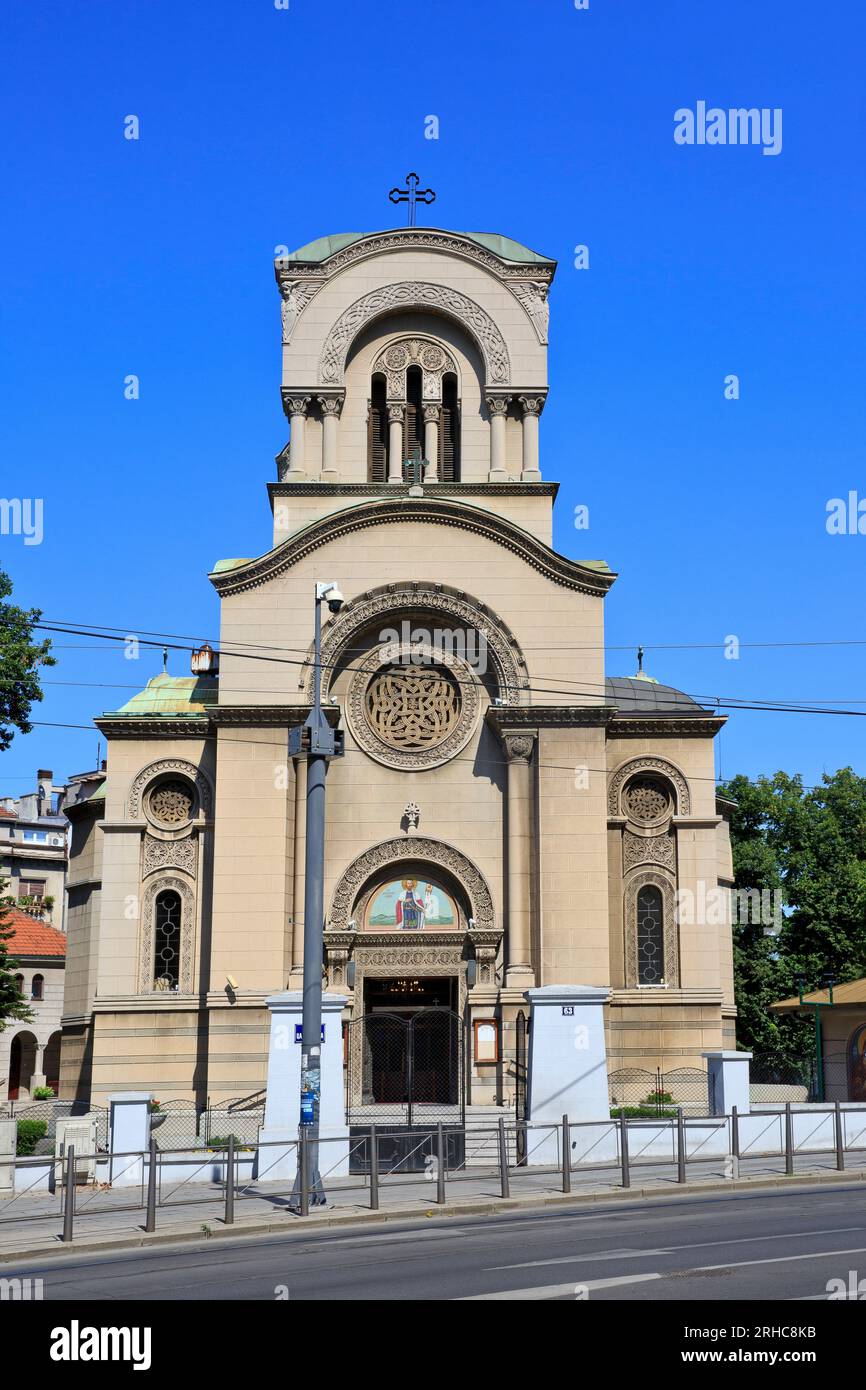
x=316 y=742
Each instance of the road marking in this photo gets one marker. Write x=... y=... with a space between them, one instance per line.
x=545 y=1291
x=674 y=1249
x=781 y=1259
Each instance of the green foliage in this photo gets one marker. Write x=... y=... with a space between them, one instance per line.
x=20 y=660
x=642 y=1112
x=222 y=1142
x=29 y=1134
x=13 y=1005
x=808 y=844
x=43 y=1093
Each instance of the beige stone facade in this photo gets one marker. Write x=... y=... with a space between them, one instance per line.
x=548 y=822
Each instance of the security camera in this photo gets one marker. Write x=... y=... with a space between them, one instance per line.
x=331 y=592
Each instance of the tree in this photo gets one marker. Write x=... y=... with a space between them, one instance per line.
x=808 y=844
x=12 y=1003
x=20 y=660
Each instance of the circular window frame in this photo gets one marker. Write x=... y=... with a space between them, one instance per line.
x=164 y=827
x=653 y=822
x=416 y=759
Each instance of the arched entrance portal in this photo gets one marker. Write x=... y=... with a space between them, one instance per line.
x=22 y=1065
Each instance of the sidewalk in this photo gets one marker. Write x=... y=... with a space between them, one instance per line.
x=30 y=1226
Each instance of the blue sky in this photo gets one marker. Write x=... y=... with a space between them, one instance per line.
x=262 y=127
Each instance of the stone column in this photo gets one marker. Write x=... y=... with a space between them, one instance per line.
x=395 y=443
x=498 y=408
x=300 y=846
x=531 y=407
x=296 y=409
x=518 y=751
x=331 y=408
x=431 y=443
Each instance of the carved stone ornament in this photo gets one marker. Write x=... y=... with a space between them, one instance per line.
x=518 y=747
x=660 y=766
x=498 y=405
x=647 y=799
x=330 y=405
x=159 y=769
x=296 y=405
x=390 y=854
x=385 y=607
x=648 y=849
x=187 y=932
x=296 y=297
x=531 y=405
x=414 y=294
x=532 y=294
x=171 y=803
x=413 y=716
x=169 y=854
x=671 y=936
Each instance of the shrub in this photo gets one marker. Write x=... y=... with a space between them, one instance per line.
x=642 y=1112
x=29 y=1134
x=43 y=1093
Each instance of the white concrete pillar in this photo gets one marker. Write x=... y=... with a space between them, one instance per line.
x=395 y=443
x=129 y=1135
x=296 y=409
x=431 y=442
x=283 y=1097
x=568 y=1068
x=518 y=751
x=8 y=1146
x=331 y=408
x=531 y=406
x=498 y=409
x=728 y=1081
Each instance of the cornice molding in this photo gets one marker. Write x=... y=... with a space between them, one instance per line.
x=659 y=725
x=157 y=726
x=508 y=718
x=510 y=488
x=570 y=574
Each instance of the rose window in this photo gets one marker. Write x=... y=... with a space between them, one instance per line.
x=171 y=803
x=412 y=708
x=647 y=800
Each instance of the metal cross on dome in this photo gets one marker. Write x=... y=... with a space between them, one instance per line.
x=412 y=194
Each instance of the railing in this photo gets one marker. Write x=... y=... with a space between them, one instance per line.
x=162 y=1179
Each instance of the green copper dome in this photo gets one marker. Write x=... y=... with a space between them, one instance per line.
x=502 y=246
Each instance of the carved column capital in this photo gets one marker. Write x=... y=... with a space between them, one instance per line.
x=432 y=414
x=295 y=404
x=518 y=746
x=498 y=405
x=396 y=413
x=531 y=405
x=331 y=405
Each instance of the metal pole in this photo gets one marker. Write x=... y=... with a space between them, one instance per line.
x=374 y=1169
x=840 y=1138
x=623 y=1149
x=229 y=1217
x=440 y=1165
x=505 y=1188
x=681 y=1145
x=304 y=1172
x=150 y=1219
x=819 y=1054
x=566 y=1155
x=735 y=1132
x=69 y=1195
x=789 y=1139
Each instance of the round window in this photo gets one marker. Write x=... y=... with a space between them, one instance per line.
x=171 y=803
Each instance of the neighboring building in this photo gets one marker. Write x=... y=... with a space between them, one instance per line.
x=33 y=848
x=842 y=1024
x=30 y=1052
x=504 y=817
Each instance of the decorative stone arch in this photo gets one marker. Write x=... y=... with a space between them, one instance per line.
x=199 y=779
x=420 y=350
x=439 y=602
x=643 y=878
x=663 y=767
x=391 y=854
x=186 y=893
x=415 y=294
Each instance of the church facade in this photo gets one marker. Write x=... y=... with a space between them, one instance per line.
x=505 y=815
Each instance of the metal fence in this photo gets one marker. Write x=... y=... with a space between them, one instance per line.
x=672 y=1146
x=658 y=1093
x=53 y=1110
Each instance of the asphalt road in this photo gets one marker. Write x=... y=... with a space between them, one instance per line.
x=761 y=1246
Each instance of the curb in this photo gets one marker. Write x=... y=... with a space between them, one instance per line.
x=485 y=1207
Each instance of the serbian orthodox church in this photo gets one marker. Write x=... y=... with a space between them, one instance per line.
x=504 y=815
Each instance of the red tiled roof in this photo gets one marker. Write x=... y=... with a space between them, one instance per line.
x=31 y=937
x=10 y=815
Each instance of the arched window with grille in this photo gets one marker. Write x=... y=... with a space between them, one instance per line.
x=449 y=432
x=413 y=427
x=166 y=940
x=37 y=987
x=649 y=932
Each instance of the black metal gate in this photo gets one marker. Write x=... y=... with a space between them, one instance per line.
x=520 y=1080
x=404 y=1074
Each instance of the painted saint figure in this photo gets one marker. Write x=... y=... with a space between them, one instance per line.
x=409 y=907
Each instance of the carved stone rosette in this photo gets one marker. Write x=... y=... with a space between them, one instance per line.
x=134 y=802
x=661 y=766
x=649 y=849
x=451 y=707
x=169 y=854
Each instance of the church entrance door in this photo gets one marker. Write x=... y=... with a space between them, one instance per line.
x=405 y=1063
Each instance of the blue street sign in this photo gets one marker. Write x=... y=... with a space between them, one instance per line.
x=299 y=1032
